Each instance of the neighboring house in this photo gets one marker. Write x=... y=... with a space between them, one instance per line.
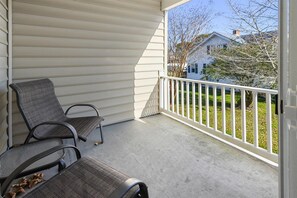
x=201 y=56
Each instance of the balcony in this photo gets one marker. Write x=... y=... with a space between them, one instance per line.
x=176 y=160
x=176 y=155
x=109 y=54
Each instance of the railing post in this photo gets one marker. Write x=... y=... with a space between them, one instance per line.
x=215 y=108
x=194 y=100
x=168 y=94
x=233 y=119
x=172 y=95
x=268 y=122
x=200 y=103
x=188 y=100
x=207 y=104
x=161 y=92
x=255 y=113
x=224 y=109
x=243 y=116
x=177 y=97
x=165 y=95
x=183 y=98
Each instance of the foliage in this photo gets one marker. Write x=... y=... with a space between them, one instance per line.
x=245 y=65
x=185 y=26
x=254 y=62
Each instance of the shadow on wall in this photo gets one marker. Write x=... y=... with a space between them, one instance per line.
x=152 y=104
x=108 y=56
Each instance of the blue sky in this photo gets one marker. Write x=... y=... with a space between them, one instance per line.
x=221 y=23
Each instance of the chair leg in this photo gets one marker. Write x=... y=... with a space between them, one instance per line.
x=62 y=165
x=101 y=135
x=143 y=192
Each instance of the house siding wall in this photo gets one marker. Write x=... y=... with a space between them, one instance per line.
x=201 y=57
x=104 y=52
x=3 y=73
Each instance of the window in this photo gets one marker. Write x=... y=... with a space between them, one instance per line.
x=204 y=66
x=196 y=68
x=189 y=69
x=193 y=69
x=208 y=49
x=222 y=46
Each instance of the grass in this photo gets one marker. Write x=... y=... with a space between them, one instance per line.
x=262 y=128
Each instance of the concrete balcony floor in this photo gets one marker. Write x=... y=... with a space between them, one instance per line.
x=178 y=161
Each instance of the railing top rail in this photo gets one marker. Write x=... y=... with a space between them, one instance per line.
x=255 y=89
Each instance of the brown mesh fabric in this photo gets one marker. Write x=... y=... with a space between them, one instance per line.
x=85 y=178
x=83 y=125
x=37 y=102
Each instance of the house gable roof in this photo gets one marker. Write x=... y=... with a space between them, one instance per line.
x=232 y=37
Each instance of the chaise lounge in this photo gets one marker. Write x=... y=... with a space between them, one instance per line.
x=86 y=177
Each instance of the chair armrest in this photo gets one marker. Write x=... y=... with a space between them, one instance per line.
x=83 y=105
x=68 y=126
x=30 y=161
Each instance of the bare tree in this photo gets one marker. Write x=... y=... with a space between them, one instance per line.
x=259 y=19
x=254 y=62
x=185 y=26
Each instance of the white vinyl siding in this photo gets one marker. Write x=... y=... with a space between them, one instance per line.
x=3 y=74
x=104 y=52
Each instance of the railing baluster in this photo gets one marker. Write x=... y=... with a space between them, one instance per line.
x=183 y=98
x=172 y=95
x=243 y=116
x=177 y=97
x=161 y=99
x=255 y=113
x=200 y=103
x=207 y=104
x=194 y=101
x=233 y=113
x=166 y=94
x=215 y=108
x=188 y=100
x=268 y=122
x=224 y=110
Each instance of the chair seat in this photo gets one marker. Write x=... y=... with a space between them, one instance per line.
x=83 y=125
x=15 y=156
x=89 y=178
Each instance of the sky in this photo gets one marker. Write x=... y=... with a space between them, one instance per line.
x=221 y=23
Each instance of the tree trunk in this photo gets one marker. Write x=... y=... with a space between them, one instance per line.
x=248 y=100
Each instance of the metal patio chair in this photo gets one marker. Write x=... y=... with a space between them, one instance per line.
x=86 y=177
x=16 y=155
x=45 y=117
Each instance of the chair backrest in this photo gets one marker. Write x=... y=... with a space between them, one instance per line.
x=38 y=102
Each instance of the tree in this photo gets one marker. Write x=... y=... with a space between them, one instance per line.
x=253 y=62
x=185 y=26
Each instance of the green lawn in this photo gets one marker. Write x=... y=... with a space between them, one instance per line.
x=249 y=115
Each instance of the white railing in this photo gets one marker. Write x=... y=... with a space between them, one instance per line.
x=221 y=111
